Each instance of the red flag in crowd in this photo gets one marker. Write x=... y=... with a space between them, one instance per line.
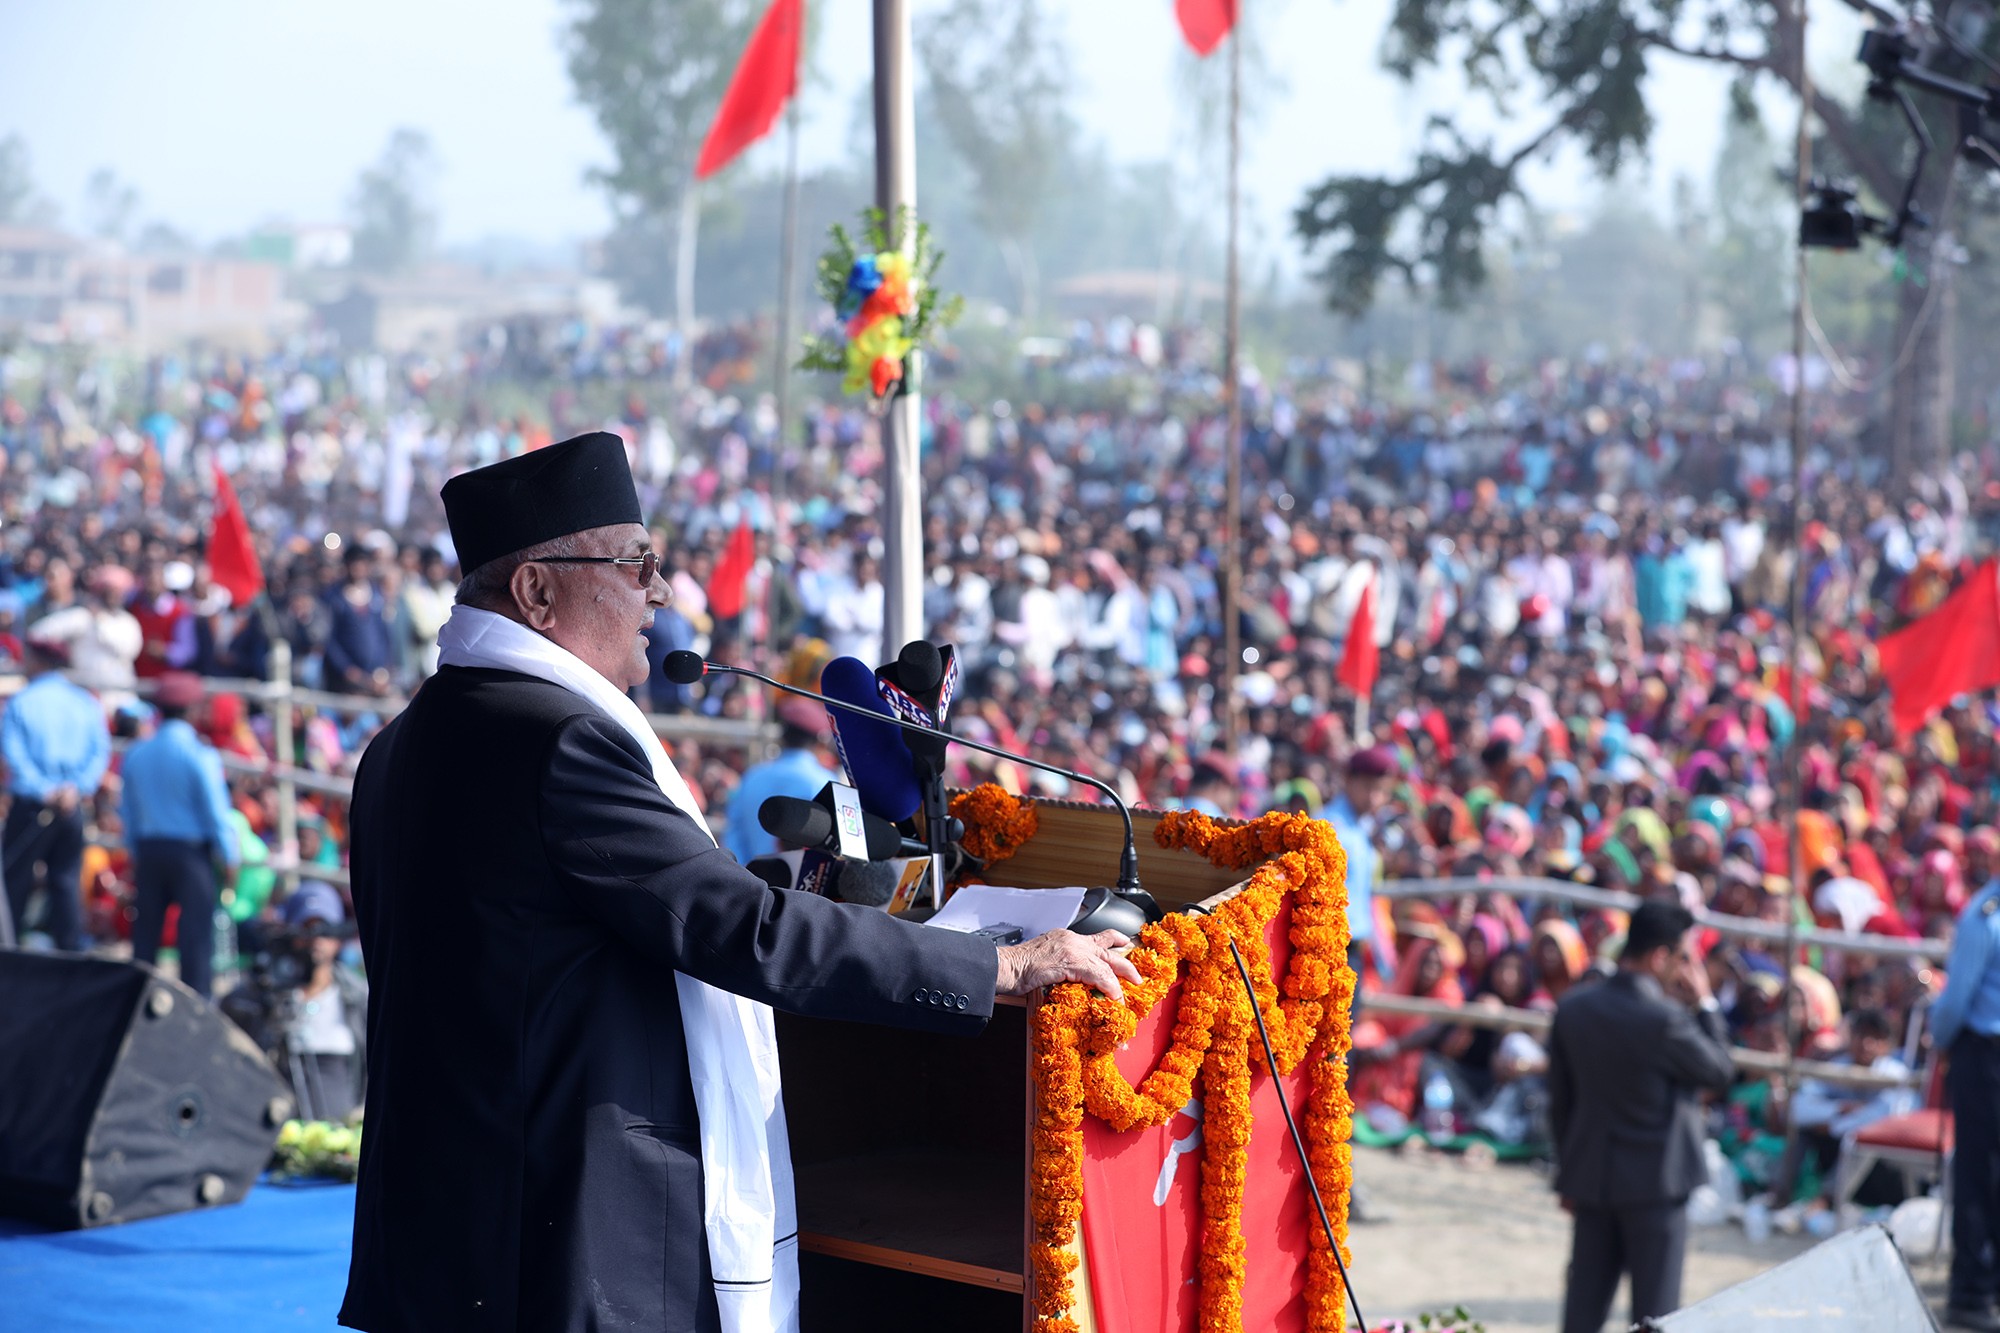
x=232 y=563
x=1952 y=651
x=1205 y=22
x=1361 y=659
x=732 y=573
x=764 y=82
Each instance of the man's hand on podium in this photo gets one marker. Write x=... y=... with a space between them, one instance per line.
x=1064 y=955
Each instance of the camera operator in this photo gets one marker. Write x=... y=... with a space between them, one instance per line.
x=326 y=1026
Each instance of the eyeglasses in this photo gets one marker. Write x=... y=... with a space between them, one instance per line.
x=648 y=564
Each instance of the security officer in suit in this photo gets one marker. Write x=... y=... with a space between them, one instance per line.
x=1626 y=1062
x=1966 y=1022
x=528 y=883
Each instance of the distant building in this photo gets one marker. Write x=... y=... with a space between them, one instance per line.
x=55 y=287
x=37 y=279
x=306 y=246
x=434 y=307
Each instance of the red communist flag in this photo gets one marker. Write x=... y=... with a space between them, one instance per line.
x=764 y=82
x=1205 y=22
x=1361 y=659
x=232 y=562
x=732 y=573
x=1953 y=650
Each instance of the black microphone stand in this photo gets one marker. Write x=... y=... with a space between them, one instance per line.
x=683 y=663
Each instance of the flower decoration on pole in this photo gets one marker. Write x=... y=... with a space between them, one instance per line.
x=884 y=293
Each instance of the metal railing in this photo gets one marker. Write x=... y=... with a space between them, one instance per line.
x=282 y=696
x=1736 y=927
x=1533 y=1020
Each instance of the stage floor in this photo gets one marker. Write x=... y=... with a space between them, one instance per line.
x=278 y=1260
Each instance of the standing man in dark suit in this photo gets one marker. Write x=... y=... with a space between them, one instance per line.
x=1627 y=1057
x=573 y=1115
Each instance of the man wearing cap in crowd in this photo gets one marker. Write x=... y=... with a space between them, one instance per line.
x=175 y=811
x=1370 y=773
x=57 y=747
x=574 y=1119
x=797 y=771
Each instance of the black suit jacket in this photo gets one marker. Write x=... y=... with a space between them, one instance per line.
x=1625 y=1063
x=525 y=895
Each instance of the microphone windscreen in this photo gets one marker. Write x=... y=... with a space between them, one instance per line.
x=682 y=667
x=795 y=822
x=877 y=761
x=885 y=840
x=773 y=870
x=922 y=670
x=869 y=883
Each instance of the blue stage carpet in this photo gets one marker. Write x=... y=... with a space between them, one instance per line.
x=278 y=1260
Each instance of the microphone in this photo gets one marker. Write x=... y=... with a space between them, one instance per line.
x=810 y=824
x=865 y=883
x=683 y=667
x=877 y=760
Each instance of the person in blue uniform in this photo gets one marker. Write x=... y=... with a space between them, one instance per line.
x=797 y=771
x=1966 y=1022
x=57 y=746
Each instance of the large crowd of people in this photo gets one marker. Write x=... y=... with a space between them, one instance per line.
x=1578 y=578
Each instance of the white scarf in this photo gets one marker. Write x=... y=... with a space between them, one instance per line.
x=749 y=1213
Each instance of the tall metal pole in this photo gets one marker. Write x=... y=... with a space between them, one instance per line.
x=1795 y=751
x=895 y=191
x=788 y=245
x=781 y=371
x=1232 y=378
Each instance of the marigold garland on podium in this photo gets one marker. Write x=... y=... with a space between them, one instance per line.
x=1085 y=1164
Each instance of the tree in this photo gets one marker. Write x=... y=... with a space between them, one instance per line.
x=1750 y=241
x=653 y=72
x=1002 y=105
x=21 y=204
x=394 y=221
x=110 y=205
x=1587 y=60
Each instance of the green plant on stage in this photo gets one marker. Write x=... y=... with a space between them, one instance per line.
x=317 y=1148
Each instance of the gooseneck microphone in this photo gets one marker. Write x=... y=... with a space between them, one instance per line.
x=684 y=667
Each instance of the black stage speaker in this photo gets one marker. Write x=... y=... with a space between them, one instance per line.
x=124 y=1095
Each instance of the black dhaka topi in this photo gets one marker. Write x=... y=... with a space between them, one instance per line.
x=535 y=497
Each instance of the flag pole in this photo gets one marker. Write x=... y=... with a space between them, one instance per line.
x=1795 y=750
x=896 y=196
x=782 y=371
x=1232 y=503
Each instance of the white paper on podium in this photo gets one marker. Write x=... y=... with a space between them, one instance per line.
x=1035 y=911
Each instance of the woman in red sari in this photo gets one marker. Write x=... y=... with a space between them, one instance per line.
x=1389 y=1049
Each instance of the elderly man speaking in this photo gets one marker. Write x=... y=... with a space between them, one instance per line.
x=574 y=1118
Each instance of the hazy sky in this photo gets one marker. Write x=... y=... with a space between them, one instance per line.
x=224 y=113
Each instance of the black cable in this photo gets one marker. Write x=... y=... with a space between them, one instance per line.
x=1298 y=1140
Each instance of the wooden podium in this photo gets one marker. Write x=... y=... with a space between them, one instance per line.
x=911 y=1149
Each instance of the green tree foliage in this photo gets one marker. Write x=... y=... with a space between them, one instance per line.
x=653 y=72
x=1750 y=242
x=21 y=204
x=111 y=206
x=1585 y=62
x=998 y=87
x=395 y=223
